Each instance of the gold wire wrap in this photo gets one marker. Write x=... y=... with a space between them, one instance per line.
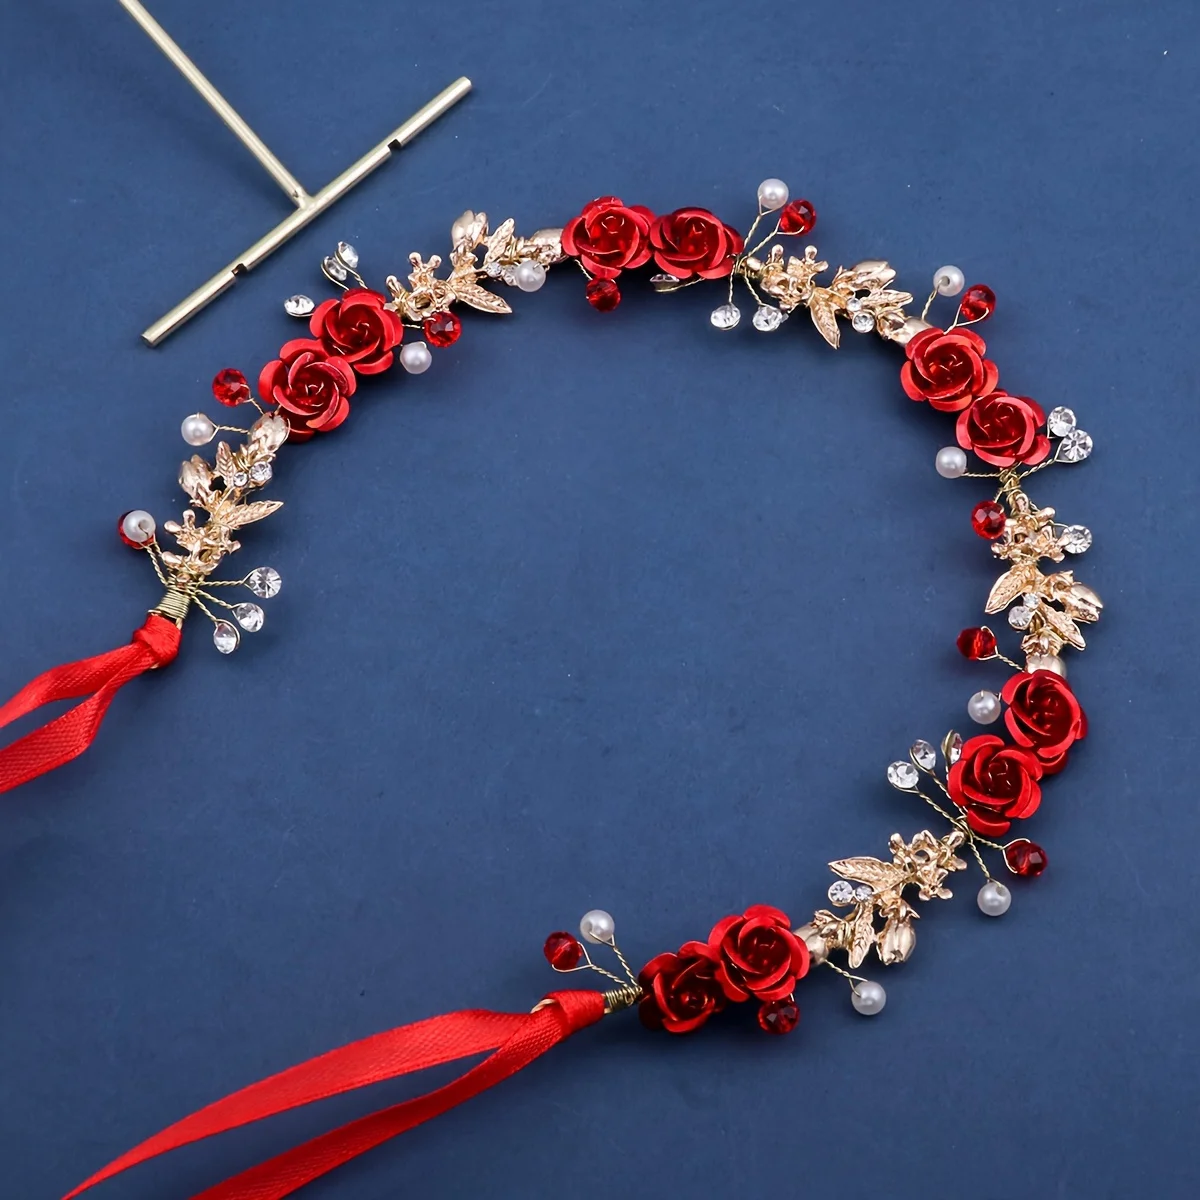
x=626 y=996
x=174 y=605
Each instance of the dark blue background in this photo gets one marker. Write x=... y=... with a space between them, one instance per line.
x=605 y=611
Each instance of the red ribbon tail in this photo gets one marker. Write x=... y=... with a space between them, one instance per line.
x=99 y=678
x=514 y=1039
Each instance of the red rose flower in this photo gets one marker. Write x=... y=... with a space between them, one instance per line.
x=758 y=955
x=691 y=241
x=1044 y=716
x=359 y=328
x=310 y=386
x=995 y=784
x=608 y=237
x=681 y=989
x=1004 y=430
x=948 y=369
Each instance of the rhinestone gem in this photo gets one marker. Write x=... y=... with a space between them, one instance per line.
x=249 y=616
x=725 y=316
x=952 y=747
x=1020 y=617
x=239 y=479
x=988 y=519
x=492 y=268
x=1075 y=447
x=264 y=582
x=261 y=473
x=603 y=294
x=978 y=303
x=976 y=643
x=863 y=892
x=229 y=387
x=862 y=322
x=347 y=254
x=442 y=330
x=841 y=893
x=902 y=775
x=1075 y=539
x=334 y=269
x=226 y=637
x=797 y=217
x=1025 y=858
x=509 y=275
x=563 y=951
x=923 y=754
x=298 y=305
x=778 y=1016
x=767 y=318
x=1060 y=422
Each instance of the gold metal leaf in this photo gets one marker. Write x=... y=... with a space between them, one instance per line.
x=896 y=942
x=267 y=434
x=862 y=935
x=225 y=465
x=498 y=241
x=480 y=298
x=823 y=307
x=882 y=876
x=195 y=477
x=244 y=514
x=1064 y=626
x=1007 y=588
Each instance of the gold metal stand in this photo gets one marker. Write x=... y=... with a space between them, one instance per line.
x=307 y=207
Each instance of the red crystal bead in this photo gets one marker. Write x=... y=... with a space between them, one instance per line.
x=797 y=217
x=1025 y=858
x=778 y=1016
x=603 y=294
x=978 y=303
x=442 y=330
x=230 y=387
x=563 y=951
x=987 y=519
x=976 y=643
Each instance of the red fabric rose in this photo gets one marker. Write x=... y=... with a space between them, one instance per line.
x=758 y=955
x=995 y=784
x=681 y=989
x=310 y=386
x=359 y=328
x=608 y=237
x=1044 y=716
x=948 y=369
x=691 y=241
x=1004 y=430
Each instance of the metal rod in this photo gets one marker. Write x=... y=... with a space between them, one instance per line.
x=308 y=211
x=282 y=176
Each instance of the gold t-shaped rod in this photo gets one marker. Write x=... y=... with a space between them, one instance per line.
x=307 y=207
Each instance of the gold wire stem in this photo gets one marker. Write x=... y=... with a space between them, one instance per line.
x=846 y=974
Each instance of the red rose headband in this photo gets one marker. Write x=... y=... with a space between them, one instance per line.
x=978 y=786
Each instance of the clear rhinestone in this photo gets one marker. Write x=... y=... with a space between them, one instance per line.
x=249 y=616
x=347 y=254
x=767 y=318
x=1020 y=617
x=952 y=746
x=492 y=268
x=863 y=892
x=854 y=304
x=862 y=322
x=509 y=275
x=239 y=479
x=1075 y=539
x=334 y=269
x=841 y=893
x=725 y=316
x=1060 y=422
x=1031 y=600
x=1075 y=447
x=264 y=582
x=261 y=473
x=923 y=754
x=298 y=305
x=902 y=775
x=226 y=637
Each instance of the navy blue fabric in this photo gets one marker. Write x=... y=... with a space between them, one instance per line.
x=603 y=610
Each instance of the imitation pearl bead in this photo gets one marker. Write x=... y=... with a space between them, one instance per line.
x=994 y=899
x=951 y=462
x=415 y=357
x=597 y=926
x=529 y=275
x=984 y=707
x=868 y=997
x=1046 y=662
x=772 y=194
x=137 y=527
x=948 y=280
x=197 y=430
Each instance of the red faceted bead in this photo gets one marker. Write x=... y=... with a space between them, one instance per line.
x=797 y=217
x=778 y=1016
x=987 y=519
x=230 y=387
x=1025 y=858
x=978 y=303
x=976 y=643
x=442 y=330
x=563 y=951
x=603 y=294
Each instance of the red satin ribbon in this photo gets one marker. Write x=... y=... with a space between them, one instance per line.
x=99 y=678
x=516 y=1039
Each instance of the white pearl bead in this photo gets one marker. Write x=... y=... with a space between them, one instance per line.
x=529 y=275
x=415 y=357
x=197 y=430
x=868 y=997
x=951 y=462
x=597 y=926
x=984 y=707
x=138 y=526
x=772 y=194
x=994 y=899
x=1046 y=662
x=949 y=281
